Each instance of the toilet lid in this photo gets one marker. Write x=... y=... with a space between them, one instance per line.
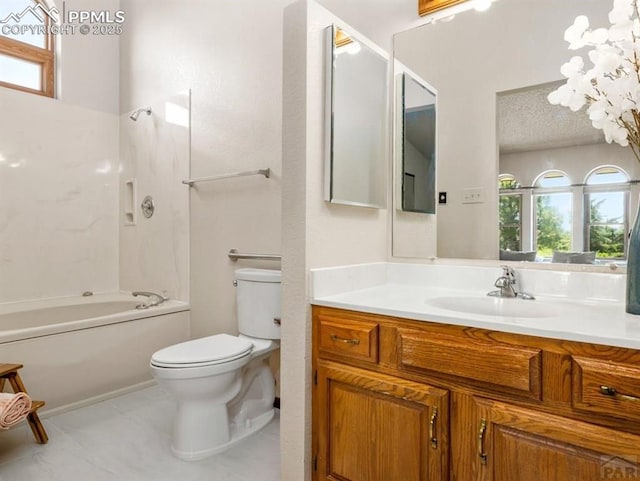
x=207 y=350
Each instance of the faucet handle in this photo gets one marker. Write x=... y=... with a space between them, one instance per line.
x=509 y=273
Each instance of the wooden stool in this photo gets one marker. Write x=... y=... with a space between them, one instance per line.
x=10 y=372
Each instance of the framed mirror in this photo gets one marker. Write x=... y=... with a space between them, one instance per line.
x=418 y=137
x=356 y=114
x=498 y=136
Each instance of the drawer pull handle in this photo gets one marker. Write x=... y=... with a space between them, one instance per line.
x=481 y=453
x=613 y=392
x=346 y=341
x=432 y=428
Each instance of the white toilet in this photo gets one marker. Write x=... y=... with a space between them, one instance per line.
x=223 y=384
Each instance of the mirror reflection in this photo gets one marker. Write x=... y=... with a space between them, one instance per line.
x=524 y=180
x=356 y=116
x=563 y=191
x=418 y=146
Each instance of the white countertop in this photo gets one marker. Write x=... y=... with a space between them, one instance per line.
x=598 y=321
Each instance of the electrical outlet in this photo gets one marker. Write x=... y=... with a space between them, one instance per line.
x=473 y=196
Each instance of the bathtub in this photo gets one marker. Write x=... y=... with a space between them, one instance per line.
x=80 y=349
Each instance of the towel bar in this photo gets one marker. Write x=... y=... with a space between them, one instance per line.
x=265 y=172
x=234 y=255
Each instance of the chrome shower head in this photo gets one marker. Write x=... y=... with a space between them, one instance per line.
x=134 y=115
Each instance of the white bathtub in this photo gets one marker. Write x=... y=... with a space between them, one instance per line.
x=75 y=349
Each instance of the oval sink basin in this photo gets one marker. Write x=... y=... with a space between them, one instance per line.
x=493 y=306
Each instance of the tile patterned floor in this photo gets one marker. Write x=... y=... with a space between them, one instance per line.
x=127 y=439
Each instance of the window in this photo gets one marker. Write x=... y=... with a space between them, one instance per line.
x=606 y=213
x=26 y=46
x=510 y=209
x=553 y=213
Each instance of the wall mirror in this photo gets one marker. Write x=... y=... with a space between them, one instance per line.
x=524 y=180
x=356 y=120
x=418 y=150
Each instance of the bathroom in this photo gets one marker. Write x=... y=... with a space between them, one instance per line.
x=235 y=86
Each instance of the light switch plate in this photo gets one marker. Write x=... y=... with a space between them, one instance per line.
x=473 y=196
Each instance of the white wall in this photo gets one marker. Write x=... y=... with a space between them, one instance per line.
x=229 y=54
x=58 y=192
x=87 y=65
x=154 y=153
x=315 y=233
x=522 y=44
x=58 y=174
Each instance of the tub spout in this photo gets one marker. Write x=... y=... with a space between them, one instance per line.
x=154 y=299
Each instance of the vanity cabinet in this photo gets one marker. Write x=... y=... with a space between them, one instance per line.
x=377 y=427
x=396 y=399
x=515 y=443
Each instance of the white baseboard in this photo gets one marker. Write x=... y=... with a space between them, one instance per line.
x=45 y=413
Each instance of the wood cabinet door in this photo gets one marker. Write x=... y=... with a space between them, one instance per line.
x=374 y=427
x=511 y=443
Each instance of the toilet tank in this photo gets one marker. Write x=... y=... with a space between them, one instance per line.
x=258 y=293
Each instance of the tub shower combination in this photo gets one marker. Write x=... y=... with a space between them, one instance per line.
x=78 y=348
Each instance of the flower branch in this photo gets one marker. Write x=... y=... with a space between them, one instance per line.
x=610 y=87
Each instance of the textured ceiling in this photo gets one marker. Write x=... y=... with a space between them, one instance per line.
x=527 y=121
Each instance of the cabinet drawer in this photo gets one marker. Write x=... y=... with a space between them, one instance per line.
x=348 y=338
x=606 y=387
x=512 y=368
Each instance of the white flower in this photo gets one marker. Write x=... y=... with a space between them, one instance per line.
x=561 y=96
x=610 y=87
x=597 y=111
x=596 y=37
x=622 y=10
x=572 y=67
x=605 y=62
x=621 y=31
x=575 y=32
x=614 y=133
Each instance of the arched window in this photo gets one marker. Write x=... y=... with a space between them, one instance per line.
x=510 y=213
x=606 y=200
x=507 y=181
x=26 y=46
x=551 y=179
x=553 y=213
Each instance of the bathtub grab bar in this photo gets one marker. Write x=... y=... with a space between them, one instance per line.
x=234 y=255
x=266 y=172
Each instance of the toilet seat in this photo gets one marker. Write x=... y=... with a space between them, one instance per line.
x=207 y=351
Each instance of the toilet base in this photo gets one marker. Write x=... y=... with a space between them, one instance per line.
x=237 y=433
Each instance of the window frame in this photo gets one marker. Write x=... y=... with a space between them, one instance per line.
x=44 y=57
x=511 y=192
x=519 y=224
x=538 y=191
x=617 y=187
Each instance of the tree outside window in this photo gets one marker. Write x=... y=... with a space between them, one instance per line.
x=510 y=209
x=553 y=213
x=606 y=200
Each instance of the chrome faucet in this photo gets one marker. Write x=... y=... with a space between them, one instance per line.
x=506 y=286
x=154 y=299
